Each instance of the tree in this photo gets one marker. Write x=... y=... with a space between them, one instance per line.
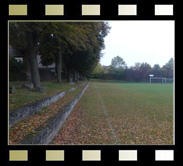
x=97 y=71
x=145 y=70
x=85 y=57
x=55 y=41
x=137 y=72
x=76 y=45
x=137 y=66
x=24 y=37
x=17 y=70
x=66 y=41
x=167 y=69
x=156 y=70
x=117 y=68
x=118 y=62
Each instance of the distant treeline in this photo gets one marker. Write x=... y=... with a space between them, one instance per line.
x=118 y=70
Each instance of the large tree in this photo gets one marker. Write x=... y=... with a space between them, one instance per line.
x=77 y=45
x=156 y=70
x=167 y=69
x=98 y=70
x=117 y=68
x=60 y=40
x=118 y=62
x=85 y=58
x=24 y=36
x=145 y=70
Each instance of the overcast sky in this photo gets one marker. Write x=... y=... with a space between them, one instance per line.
x=140 y=41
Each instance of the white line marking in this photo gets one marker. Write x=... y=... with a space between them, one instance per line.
x=106 y=116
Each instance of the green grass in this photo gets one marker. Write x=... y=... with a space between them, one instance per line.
x=139 y=113
x=23 y=97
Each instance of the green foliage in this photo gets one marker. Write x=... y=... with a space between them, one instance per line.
x=24 y=37
x=18 y=34
x=117 y=69
x=17 y=37
x=17 y=70
x=137 y=73
x=98 y=69
x=86 y=58
x=80 y=42
x=118 y=63
x=168 y=68
x=156 y=70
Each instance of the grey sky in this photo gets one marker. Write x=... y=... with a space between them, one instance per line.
x=140 y=41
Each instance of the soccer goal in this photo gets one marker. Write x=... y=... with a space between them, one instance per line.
x=158 y=80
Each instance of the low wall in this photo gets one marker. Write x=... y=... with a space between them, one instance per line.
x=23 y=112
x=49 y=132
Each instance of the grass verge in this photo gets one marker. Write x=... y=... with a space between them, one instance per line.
x=23 y=97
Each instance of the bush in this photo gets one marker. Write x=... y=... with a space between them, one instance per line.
x=17 y=71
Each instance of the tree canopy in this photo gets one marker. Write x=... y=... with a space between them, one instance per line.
x=118 y=62
x=74 y=47
x=24 y=37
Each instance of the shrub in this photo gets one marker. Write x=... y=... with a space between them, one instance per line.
x=17 y=71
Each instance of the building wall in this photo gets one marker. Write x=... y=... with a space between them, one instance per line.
x=47 y=74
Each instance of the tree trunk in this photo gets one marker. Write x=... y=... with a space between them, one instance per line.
x=81 y=77
x=73 y=77
x=68 y=75
x=68 y=72
x=76 y=76
x=32 y=57
x=59 y=66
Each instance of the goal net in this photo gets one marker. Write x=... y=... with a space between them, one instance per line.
x=158 y=80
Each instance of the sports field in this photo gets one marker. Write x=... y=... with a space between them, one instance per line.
x=121 y=113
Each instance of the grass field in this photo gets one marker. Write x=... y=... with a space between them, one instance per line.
x=121 y=113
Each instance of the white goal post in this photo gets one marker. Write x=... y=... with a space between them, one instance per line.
x=163 y=79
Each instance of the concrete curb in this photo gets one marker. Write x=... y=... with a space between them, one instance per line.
x=49 y=132
x=16 y=116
